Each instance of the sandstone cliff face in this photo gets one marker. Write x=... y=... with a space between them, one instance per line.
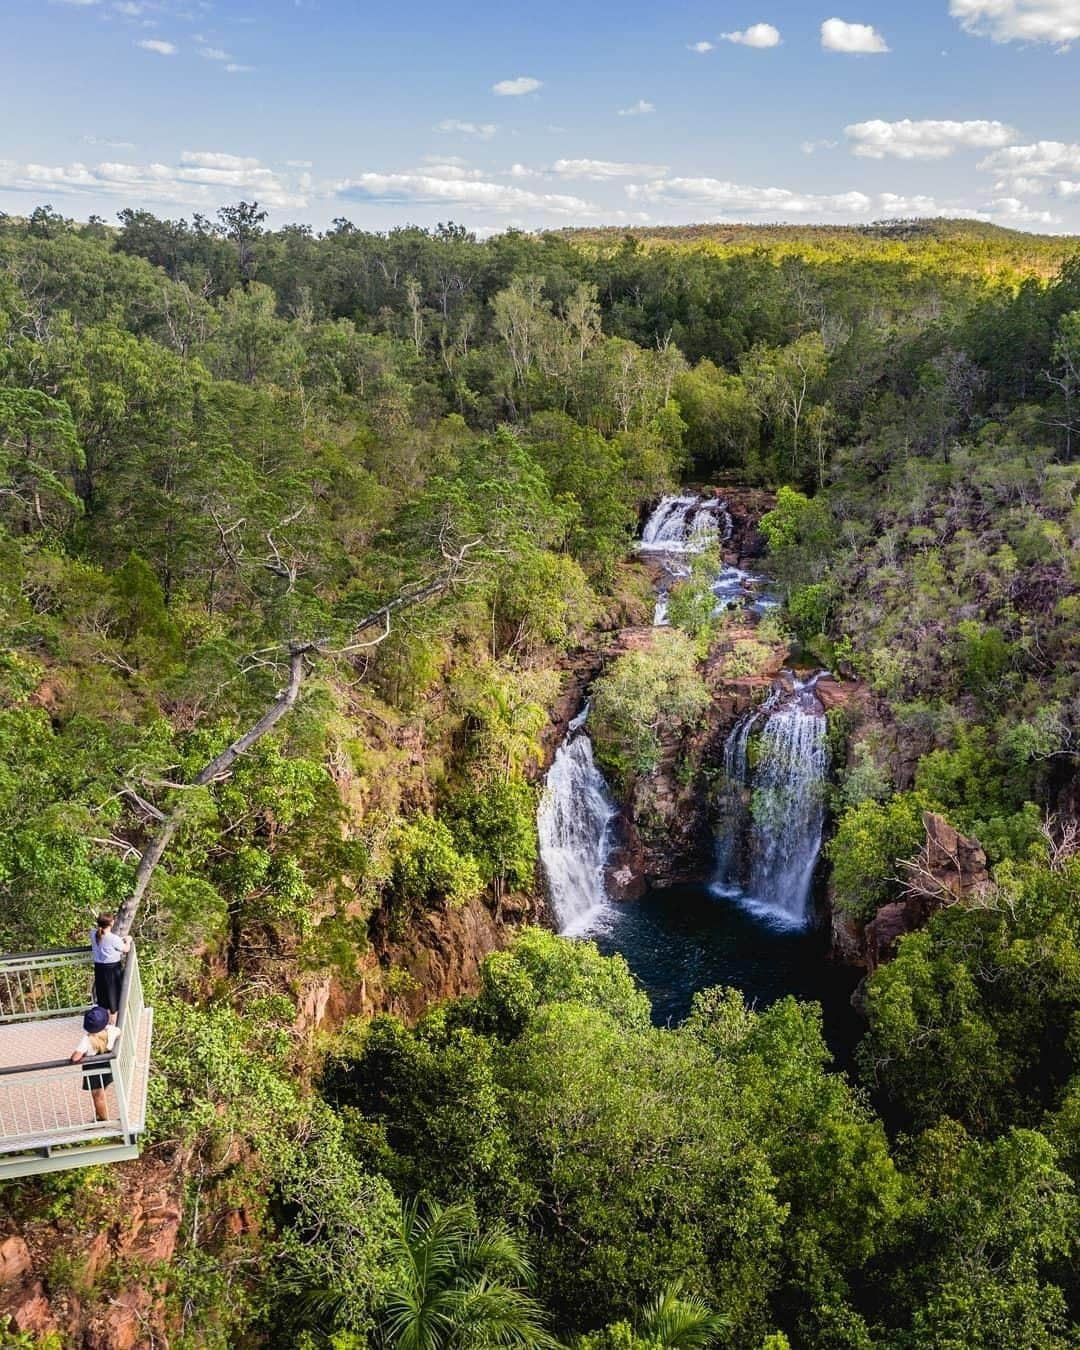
x=140 y=1234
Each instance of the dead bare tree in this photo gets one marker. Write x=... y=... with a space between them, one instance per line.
x=298 y=657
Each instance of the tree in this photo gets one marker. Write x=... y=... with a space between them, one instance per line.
x=39 y=457
x=783 y=382
x=722 y=419
x=671 y=1321
x=242 y=225
x=458 y=1286
x=1065 y=374
x=642 y=694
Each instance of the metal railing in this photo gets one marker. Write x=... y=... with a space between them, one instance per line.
x=36 y=985
x=43 y=1102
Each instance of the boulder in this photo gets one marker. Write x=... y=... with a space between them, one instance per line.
x=949 y=869
x=950 y=864
x=14 y=1260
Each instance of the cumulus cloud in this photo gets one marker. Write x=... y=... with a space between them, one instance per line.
x=600 y=169
x=925 y=139
x=234 y=68
x=853 y=38
x=201 y=178
x=719 y=195
x=215 y=159
x=1052 y=21
x=214 y=54
x=425 y=188
x=1065 y=188
x=158 y=46
x=812 y=147
x=757 y=35
x=701 y=47
x=1012 y=211
x=109 y=144
x=523 y=84
x=639 y=109
x=454 y=126
x=1040 y=159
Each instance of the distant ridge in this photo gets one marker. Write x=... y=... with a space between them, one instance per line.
x=971 y=247
x=919 y=227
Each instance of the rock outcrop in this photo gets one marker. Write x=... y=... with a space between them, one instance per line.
x=950 y=869
x=131 y=1257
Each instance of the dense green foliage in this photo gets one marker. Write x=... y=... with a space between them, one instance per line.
x=218 y=442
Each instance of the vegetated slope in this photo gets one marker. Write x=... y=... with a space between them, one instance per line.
x=217 y=442
x=977 y=247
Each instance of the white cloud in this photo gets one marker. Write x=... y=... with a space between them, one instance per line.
x=718 y=195
x=423 y=188
x=81 y=4
x=757 y=35
x=524 y=84
x=701 y=47
x=215 y=159
x=202 y=178
x=127 y=7
x=214 y=54
x=107 y=143
x=455 y=126
x=858 y=38
x=1064 y=188
x=1012 y=211
x=639 y=109
x=234 y=68
x=812 y=147
x=925 y=139
x=600 y=169
x=298 y=163
x=1052 y=21
x=453 y=170
x=158 y=46
x=1040 y=159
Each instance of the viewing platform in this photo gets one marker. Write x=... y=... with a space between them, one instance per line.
x=47 y=1120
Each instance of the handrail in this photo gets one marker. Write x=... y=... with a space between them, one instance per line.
x=40 y=1106
x=46 y=951
x=130 y=965
x=44 y=1064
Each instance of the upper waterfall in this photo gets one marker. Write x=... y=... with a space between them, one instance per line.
x=685 y=525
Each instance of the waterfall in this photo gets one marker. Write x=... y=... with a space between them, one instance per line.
x=685 y=525
x=575 y=828
x=783 y=822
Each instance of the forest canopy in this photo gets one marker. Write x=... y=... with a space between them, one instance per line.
x=223 y=444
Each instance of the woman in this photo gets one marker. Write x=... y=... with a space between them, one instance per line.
x=98 y=1038
x=109 y=952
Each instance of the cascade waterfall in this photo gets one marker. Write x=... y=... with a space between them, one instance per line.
x=785 y=815
x=685 y=525
x=773 y=816
x=575 y=828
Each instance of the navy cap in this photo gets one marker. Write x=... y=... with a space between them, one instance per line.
x=97 y=1019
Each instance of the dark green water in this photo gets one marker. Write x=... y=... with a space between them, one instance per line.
x=687 y=938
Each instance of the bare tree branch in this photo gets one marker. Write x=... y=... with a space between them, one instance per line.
x=300 y=656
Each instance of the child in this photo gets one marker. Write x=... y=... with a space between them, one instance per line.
x=98 y=1038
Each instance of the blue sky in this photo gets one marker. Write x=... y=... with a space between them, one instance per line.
x=592 y=112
